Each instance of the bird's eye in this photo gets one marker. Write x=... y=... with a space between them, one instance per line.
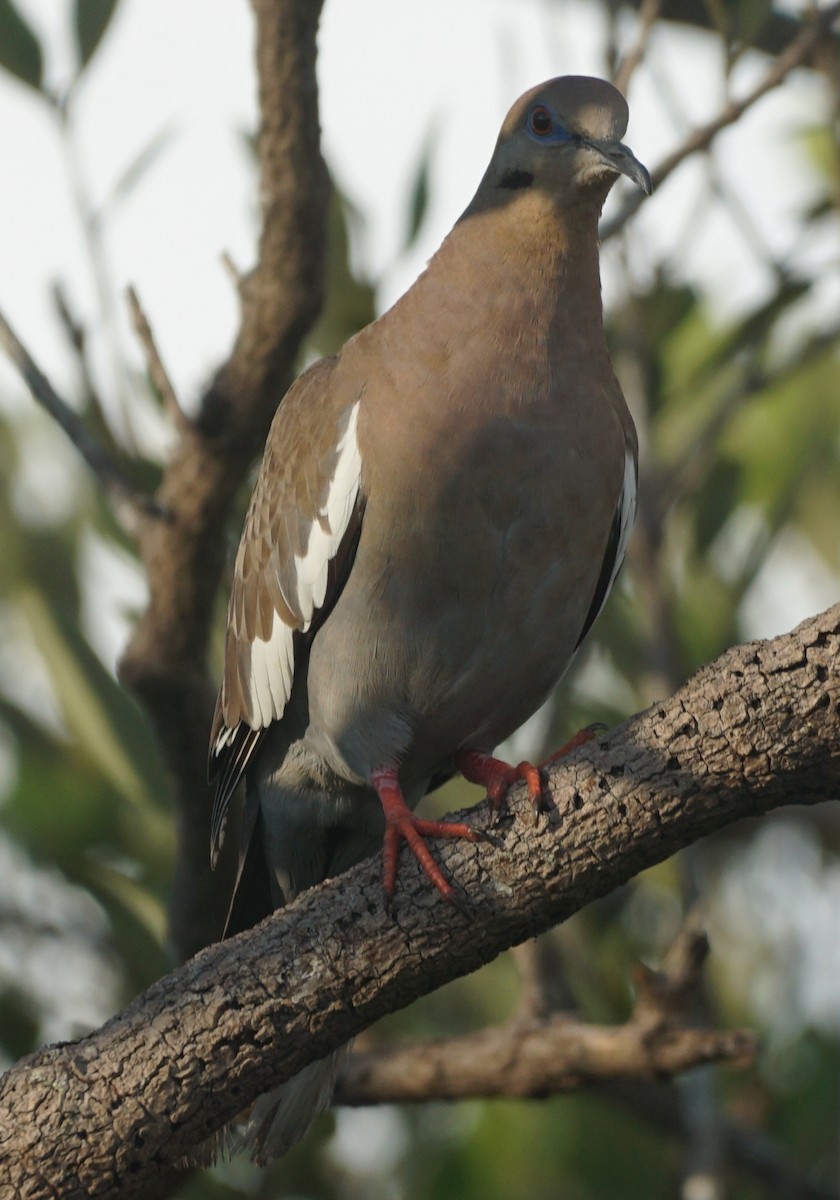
x=539 y=121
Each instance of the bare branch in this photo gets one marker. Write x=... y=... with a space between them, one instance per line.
x=543 y=986
x=231 y=270
x=649 y=11
x=129 y=506
x=154 y=363
x=166 y=661
x=757 y=729
x=77 y=338
x=533 y=1059
x=795 y=55
x=771 y=35
x=540 y=1055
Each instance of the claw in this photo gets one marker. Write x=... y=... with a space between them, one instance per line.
x=498 y=776
x=401 y=825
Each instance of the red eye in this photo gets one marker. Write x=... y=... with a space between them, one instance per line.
x=539 y=121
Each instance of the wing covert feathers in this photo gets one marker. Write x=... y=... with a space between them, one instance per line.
x=303 y=509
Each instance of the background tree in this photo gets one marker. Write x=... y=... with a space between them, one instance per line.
x=106 y=810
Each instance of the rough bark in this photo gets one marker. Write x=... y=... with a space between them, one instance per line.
x=104 y=1116
x=543 y=1050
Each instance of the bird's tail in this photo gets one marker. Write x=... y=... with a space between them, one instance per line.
x=281 y=1117
x=278 y=1119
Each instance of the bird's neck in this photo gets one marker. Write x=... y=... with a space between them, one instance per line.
x=524 y=264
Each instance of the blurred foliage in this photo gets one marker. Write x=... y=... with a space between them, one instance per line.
x=20 y=50
x=741 y=433
x=91 y=19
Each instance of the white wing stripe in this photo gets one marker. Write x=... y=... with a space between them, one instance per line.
x=627 y=514
x=272 y=661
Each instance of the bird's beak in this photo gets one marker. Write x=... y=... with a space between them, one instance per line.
x=622 y=159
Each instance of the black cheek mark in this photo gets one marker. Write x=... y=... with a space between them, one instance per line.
x=516 y=179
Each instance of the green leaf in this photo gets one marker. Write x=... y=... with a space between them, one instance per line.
x=91 y=20
x=350 y=301
x=716 y=501
x=137 y=900
x=87 y=718
x=419 y=194
x=20 y=50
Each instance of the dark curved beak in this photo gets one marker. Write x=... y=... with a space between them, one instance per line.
x=623 y=161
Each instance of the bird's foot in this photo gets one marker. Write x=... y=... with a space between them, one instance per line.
x=498 y=776
x=401 y=825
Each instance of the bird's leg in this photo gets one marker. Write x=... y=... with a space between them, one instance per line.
x=402 y=825
x=498 y=776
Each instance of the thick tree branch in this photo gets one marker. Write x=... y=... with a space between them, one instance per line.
x=757 y=729
x=165 y=663
x=539 y=1054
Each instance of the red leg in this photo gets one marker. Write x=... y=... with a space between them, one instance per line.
x=580 y=739
x=497 y=776
x=402 y=825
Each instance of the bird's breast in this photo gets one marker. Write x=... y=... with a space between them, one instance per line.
x=480 y=551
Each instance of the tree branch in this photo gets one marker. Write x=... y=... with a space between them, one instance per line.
x=533 y=1059
x=796 y=54
x=541 y=1054
x=649 y=11
x=130 y=507
x=771 y=36
x=158 y=373
x=165 y=663
x=757 y=729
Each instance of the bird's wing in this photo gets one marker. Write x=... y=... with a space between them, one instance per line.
x=297 y=546
x=620 y=530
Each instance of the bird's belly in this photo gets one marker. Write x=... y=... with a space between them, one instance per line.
x=484 y=662
x=463 y=634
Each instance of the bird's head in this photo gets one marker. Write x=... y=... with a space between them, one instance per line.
x=564 y=138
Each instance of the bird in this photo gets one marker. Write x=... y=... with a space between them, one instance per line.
x=440 y=513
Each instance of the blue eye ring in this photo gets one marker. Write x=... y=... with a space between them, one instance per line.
x=540 y=121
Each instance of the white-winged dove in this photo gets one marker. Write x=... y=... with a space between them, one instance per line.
x=441 y=511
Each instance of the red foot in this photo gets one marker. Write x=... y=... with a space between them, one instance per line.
x=402 y=825
x=580 y=739
x=497 y=776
